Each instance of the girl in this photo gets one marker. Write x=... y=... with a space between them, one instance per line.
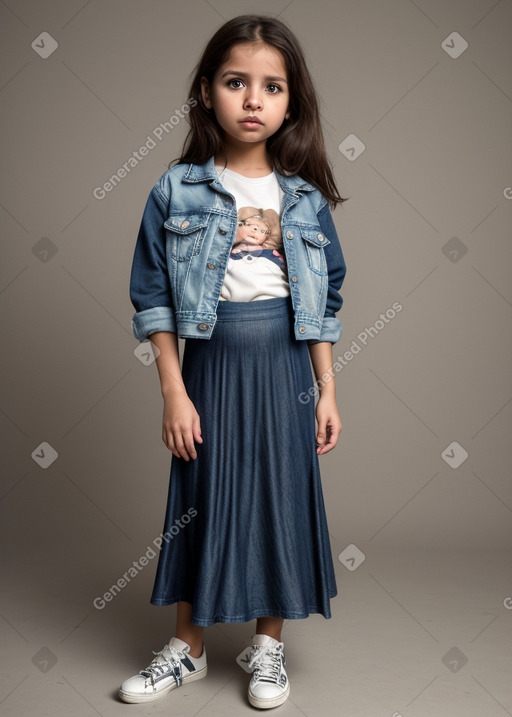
x=245 y=534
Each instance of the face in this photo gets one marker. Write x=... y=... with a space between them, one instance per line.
x=253 y=230
x=252 y=83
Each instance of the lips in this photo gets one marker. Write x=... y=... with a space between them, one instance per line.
x=251 y=120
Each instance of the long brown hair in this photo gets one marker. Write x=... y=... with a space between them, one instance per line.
x=298 y=146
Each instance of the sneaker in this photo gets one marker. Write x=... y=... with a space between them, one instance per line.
x=269 y=686
x=170 y=668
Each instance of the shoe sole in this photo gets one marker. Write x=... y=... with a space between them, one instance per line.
x=267 y=704
x=135 y=698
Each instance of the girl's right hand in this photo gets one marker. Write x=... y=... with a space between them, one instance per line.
x=181 y=426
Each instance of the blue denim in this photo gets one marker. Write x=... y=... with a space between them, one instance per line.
x=245 y=532
x=183 y=245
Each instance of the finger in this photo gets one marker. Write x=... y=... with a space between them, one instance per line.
x=337 y=430
x=169 y=443
x=324 y=447
x=196 y=431
x=321 y=433
x=327 y=446
x=333 y=435
x=180 y=446
x=167 y=439
x=190 y=448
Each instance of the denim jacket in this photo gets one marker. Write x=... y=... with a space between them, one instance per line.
x=187 y=231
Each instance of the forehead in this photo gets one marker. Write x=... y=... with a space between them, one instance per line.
x=256 y=58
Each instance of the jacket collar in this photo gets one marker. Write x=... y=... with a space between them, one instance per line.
x=207 y=172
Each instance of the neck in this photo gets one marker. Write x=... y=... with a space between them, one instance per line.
x=252 y=160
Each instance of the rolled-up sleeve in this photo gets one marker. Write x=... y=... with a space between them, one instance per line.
x=331 y=326
x=150 y=289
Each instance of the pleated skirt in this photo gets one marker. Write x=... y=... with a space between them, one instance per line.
x=245 y=532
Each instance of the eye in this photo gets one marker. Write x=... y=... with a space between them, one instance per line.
x=276 y=89
x=230 y=83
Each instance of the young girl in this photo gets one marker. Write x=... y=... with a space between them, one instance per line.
x=245 y=534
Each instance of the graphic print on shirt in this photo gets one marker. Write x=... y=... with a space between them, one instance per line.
x=258 y=237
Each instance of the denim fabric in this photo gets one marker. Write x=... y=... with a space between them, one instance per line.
x=245 y=531
x=185 y=237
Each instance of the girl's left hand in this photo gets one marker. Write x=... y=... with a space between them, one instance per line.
x=329 y=424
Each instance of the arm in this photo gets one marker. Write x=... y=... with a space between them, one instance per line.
x=320 y=351
x=336 y=269
x=151 y=296
x=150 y=289
x=327 y=415
x=181 y=424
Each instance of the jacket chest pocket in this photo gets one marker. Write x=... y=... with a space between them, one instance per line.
x=185 y=234
x=315 y=242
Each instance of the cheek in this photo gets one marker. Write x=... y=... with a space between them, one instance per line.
x=225 y=101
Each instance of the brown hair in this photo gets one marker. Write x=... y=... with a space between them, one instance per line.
x=298 y=146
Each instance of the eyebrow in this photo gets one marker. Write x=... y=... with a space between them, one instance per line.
x=245 y=75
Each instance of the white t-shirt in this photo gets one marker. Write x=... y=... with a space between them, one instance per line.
x=257 y=265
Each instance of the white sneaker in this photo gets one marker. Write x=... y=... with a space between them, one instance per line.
x=171 y=667
x=269 y=686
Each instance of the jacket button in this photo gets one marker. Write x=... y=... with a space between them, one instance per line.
x=210 y=266
x=294 y=278
x=289 y=234
x=222 y=231
x=184 y=224
x=320 y=237
x=203 y=327
x=302 y=329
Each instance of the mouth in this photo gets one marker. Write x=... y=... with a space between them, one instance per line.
x=251 y=122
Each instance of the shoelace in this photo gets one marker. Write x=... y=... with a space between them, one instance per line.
x=266 y=662
x=165 y=666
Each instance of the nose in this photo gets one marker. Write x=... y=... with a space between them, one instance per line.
x=252 y=100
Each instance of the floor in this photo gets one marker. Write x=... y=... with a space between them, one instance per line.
x=413 y=634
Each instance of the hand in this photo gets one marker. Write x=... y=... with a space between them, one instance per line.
x=329 y=424
x=181 y=426
x=274 y=242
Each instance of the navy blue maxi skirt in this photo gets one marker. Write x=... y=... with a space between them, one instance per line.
x=245 y=532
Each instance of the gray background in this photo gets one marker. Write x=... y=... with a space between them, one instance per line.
x=434 y=177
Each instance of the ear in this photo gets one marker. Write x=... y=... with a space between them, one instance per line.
x=205 y=93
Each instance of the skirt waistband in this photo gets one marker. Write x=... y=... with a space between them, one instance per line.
x=259 y=309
